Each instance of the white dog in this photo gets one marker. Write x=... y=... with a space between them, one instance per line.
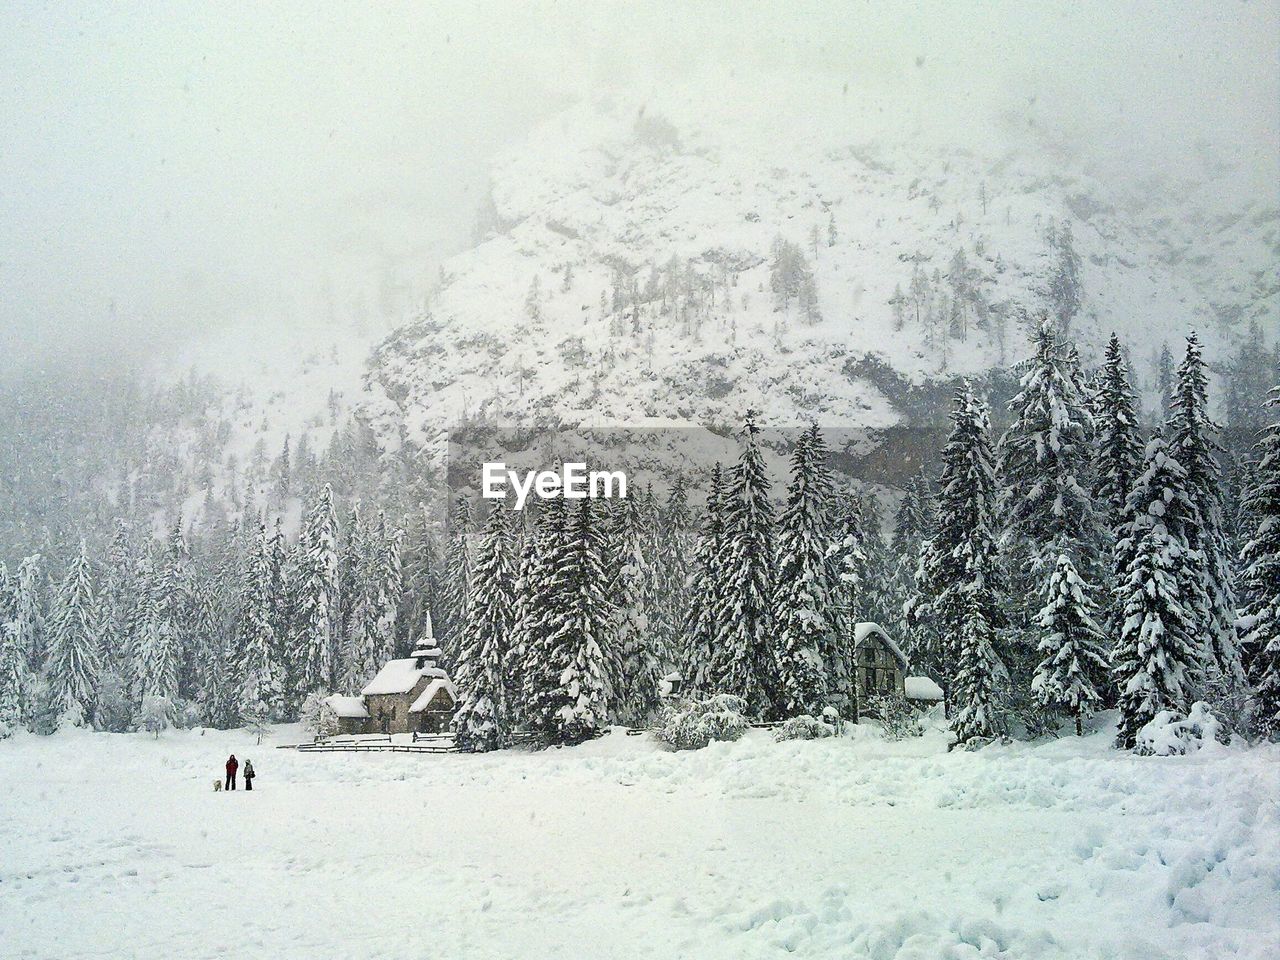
x=217 y=785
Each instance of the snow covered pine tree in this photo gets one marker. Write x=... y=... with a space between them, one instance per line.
x=1157 y=652
x=959 y=582
x=1260 y=624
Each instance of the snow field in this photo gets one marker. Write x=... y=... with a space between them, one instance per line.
x=117 y=846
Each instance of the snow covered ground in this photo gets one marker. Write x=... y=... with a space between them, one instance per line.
x=117 y=846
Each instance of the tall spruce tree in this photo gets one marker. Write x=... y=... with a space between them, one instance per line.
x=422 y=579
x=387 y=573
x=575 y=708
x=482 y=722
x=13 y=662
x=313 y=592
x=357 y=661
x=257 y=646
x=747 y=668
x=700 y=667
x=912 y=526
x=639 y=662
x=1045 y=465
x=281 y=610
x=366 y=642
x=1193 y=444
x=456 y=590
x=28 y=613
x=1119 y=443
x=174 y=586
x=1260 y=585
x=72 y=669
x=804 y=625
x=959 y=581
x=1071 y=646
x=849 y=563
x=1157 y=651
x=116 y=599
x=671 y=544
x=533 y=615
x=1164 y=381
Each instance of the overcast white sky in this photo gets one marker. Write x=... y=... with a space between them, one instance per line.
x=166 y=168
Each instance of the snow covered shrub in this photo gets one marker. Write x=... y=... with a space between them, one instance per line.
x=115 y=711
x=1231 y=703
x=692 y=724
x=1021 y=710
x=1171 y=734
x=316 y=716
x=804 y=727
x=45 y=709
x=898 y=718
x=187 y=715
x=256 y=719
x=157 y=714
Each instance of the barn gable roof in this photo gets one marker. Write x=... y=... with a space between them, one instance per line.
x=867 y=629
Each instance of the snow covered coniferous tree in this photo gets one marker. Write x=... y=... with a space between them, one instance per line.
x=576 y=707
x=803 y=629
x=702 y=653
x=457 y=578
x=1193 y=444
x=27 y=615
x=747 y=668
x=259 y=669
x=1046 y=503
x=1260 y=588
x=72 y=668
x=481 y=721
x=1119 y=445
x=636 y=686
x=1157 y=652
x=1071 y=644
x=153 y=642
x=912 y=526
x=314 y=600
x=959 y=580
x=13 y=663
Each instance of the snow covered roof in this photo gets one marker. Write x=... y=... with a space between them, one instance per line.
x=422 y=650
x=921 y=688
x=351 y=707
x=399 y=676
x=427 y=695
x=867 y=629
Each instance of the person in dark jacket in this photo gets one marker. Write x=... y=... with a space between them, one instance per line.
x=248 y=774
x=232 y=766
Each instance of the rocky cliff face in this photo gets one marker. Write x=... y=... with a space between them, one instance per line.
x=633 y=271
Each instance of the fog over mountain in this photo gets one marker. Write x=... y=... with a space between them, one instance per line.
x=230 y=167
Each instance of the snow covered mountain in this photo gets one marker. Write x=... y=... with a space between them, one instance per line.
x=659 y=266
x=628 y=273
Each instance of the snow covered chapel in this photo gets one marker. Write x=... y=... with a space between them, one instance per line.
x=413 y=695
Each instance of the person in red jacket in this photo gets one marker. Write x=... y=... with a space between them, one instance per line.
x=232 y=766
